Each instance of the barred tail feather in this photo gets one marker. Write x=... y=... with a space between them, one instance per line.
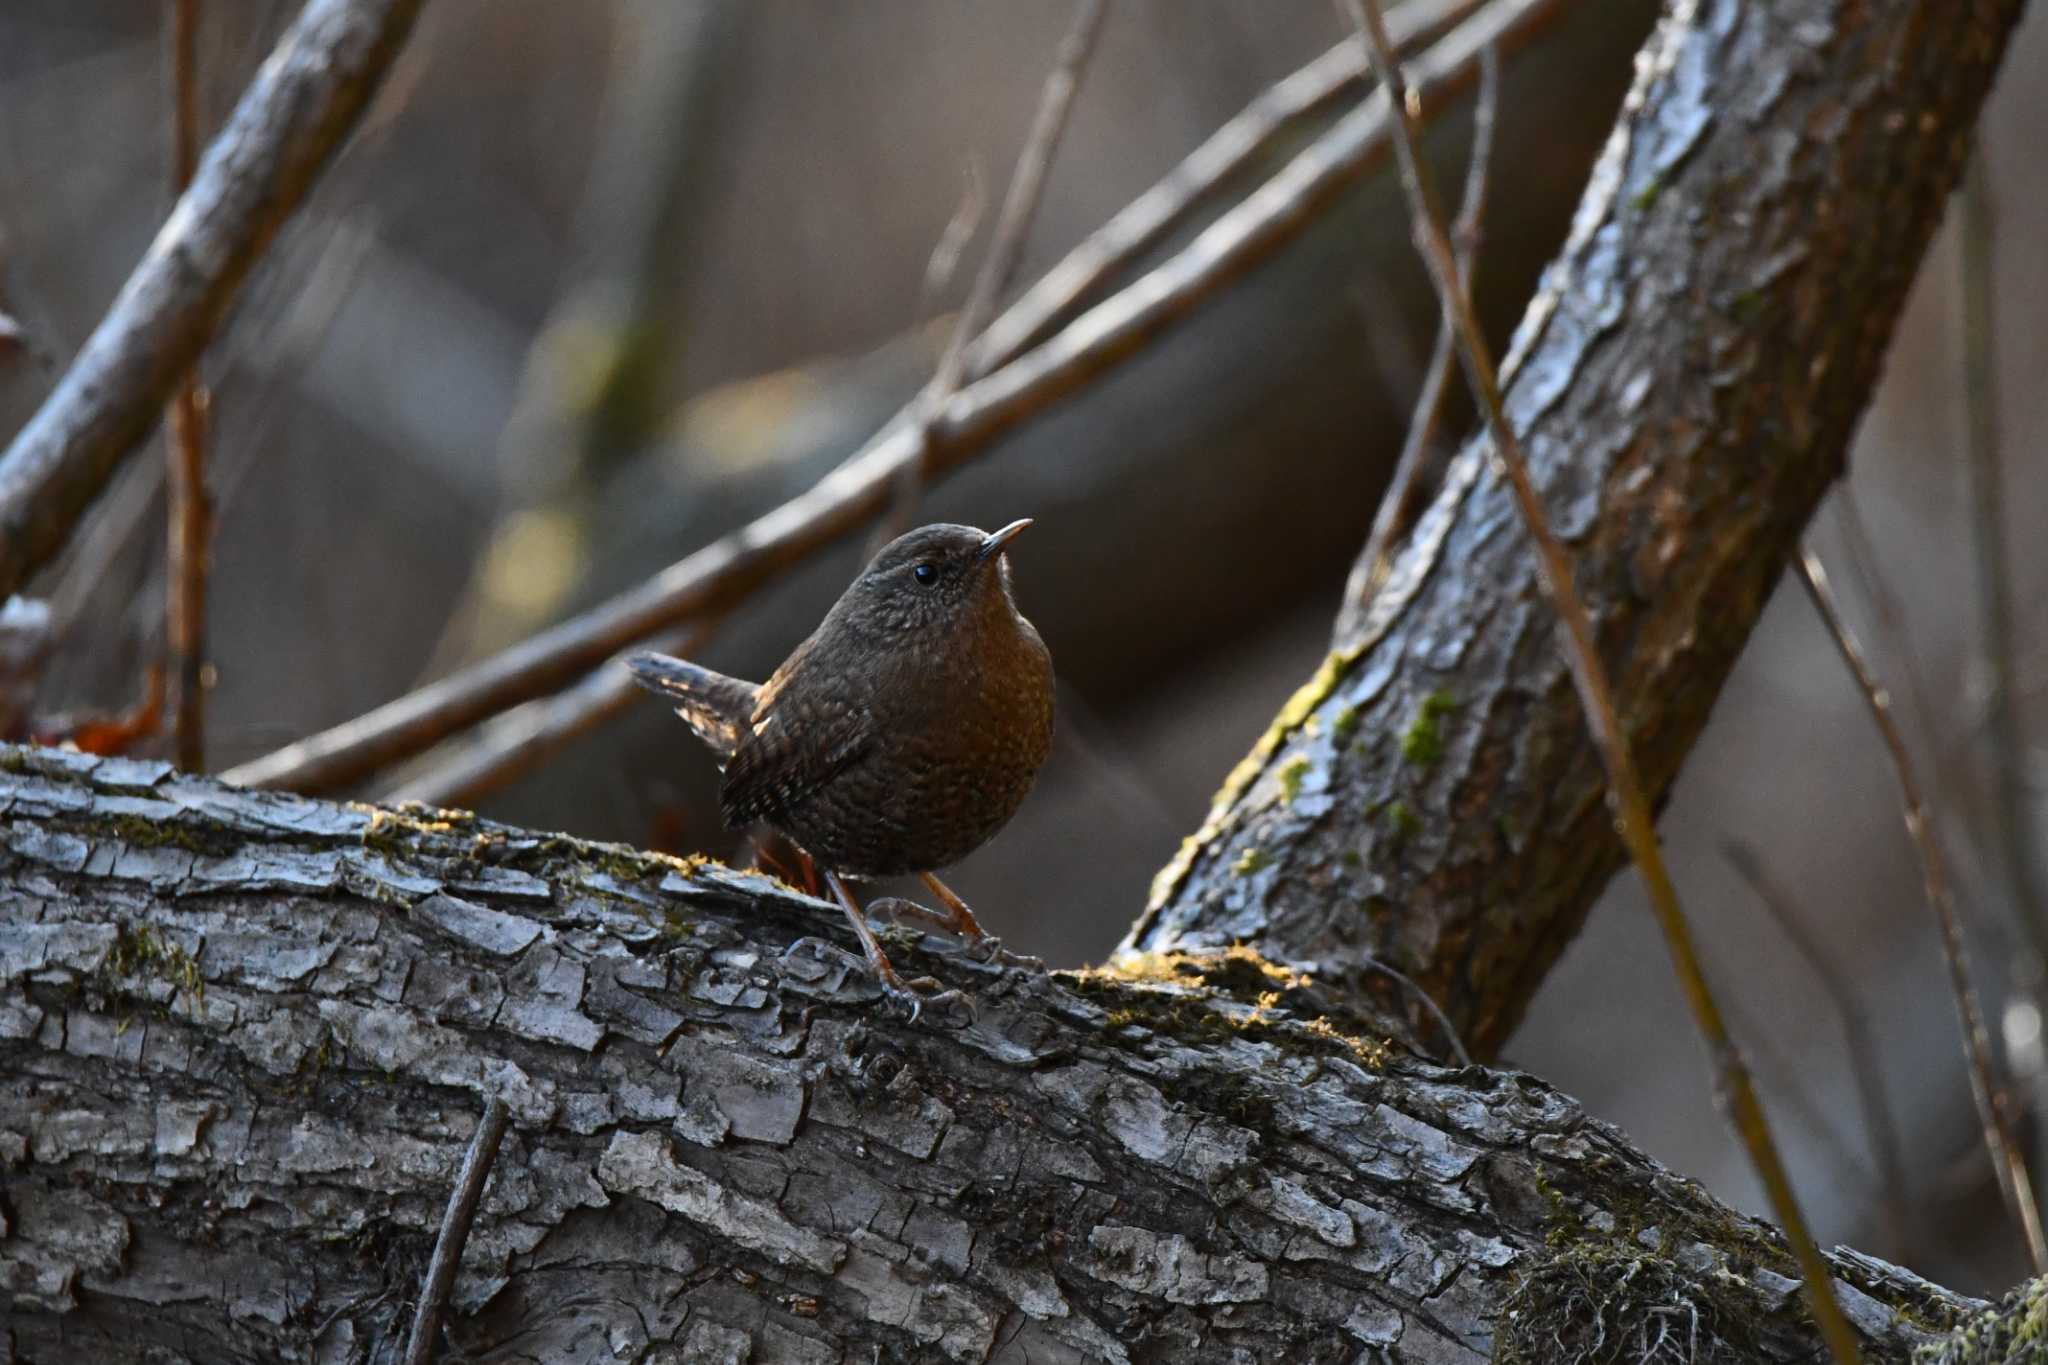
x=715 y=706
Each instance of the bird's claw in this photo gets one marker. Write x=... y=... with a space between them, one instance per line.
x=918 y=992
x=986 y=949
x=989 y=949
x=825 y=951
x=901 y=911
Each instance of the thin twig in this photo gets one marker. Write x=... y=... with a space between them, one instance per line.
x=1429 y=1005
x=2013 y=828
x=516 y=743
x=952 y=243
x=1787 y=1084
x=1733 y=1086
x=1857 y=1035
x=1403 y=499
x=185 y=450
x=1006 y=248
x=1987 y=1084
x=719 y=576
x=447 y=1258
x=1890 y=617
x=300 y=107
x=1239 y=144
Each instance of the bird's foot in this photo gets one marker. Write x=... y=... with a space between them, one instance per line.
x=901 y=911
x=913 y=996
x=920 y=993
x=977 y=945
x=828 y=953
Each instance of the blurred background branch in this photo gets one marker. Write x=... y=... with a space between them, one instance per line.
x=257 y=172
x=961 y=426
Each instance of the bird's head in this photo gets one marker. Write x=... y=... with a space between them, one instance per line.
x=927 y=578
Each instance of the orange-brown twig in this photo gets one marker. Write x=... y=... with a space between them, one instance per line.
x=1625 y=793
x=1403 y=498
x=185 y=450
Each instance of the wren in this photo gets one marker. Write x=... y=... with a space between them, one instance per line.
x=899 y=737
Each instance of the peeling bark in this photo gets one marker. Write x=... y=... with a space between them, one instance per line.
x=1686 y=383
x=245 y=1037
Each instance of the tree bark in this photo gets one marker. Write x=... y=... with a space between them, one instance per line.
x=245 y=1039
x=1686 y=384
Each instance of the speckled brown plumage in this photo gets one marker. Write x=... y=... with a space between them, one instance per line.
x=904 y=732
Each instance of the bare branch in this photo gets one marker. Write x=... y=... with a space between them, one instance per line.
x=1013 y=226
x=302 y=104
x=1145 y=222
x=1733 y=1087
x=1857 y=1034
x=2013 y=830
x=952 y=243
x=185 y=450
x=1987 y=1081
x=1406 y=490
x=462 y=1205
x=517 y=742
x=719 y=576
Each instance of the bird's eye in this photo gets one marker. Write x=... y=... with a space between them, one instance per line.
x=927 y=574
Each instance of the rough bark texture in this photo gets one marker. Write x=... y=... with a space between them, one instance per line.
x=245 y=1039
x=1686 y=384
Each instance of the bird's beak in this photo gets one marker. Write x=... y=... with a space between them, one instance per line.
x=992 y=544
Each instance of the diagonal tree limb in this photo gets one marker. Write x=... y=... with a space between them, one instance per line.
x=1734 y=1090
x=301 y=106
x=1686 y=384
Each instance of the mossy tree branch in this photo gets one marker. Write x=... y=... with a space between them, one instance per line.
x=247 y=1038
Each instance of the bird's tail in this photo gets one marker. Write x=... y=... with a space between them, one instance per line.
x=718 y=708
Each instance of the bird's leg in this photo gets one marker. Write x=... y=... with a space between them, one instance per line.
x=958 y=917
x=960 y=920
x=912 y=993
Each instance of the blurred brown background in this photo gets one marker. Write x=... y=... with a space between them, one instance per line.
x=746 y=200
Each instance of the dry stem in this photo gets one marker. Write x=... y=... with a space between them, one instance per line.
x=304 y=100
x=1405 y=491
x=185 y=576
x=1987 y=1084
x=1857 y=1034
x=1625 y=792
x=1013 y=226
x=462 y=1206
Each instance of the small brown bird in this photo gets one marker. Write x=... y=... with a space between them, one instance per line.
x=900 y=736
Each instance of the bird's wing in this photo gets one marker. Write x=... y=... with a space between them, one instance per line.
x=780 y=761
x=787 y=753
